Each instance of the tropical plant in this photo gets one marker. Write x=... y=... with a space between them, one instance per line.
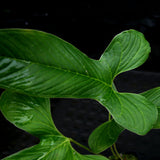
x=36 y=66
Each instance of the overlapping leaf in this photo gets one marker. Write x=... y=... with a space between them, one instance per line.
x=33 y=115
x=107 y=133
x=154 y=96
x=104 y=136
x=40 y=64
x=127 y=51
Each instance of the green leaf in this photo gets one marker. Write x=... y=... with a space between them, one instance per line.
x=153 y=95
x=131 y=110
x=55 y=149
x=40 y=64
x=127 y=51
x=104 y=136
x=28 y=113
x=33 y=115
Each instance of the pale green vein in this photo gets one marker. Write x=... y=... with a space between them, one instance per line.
x=64 y=70
x=67 y=140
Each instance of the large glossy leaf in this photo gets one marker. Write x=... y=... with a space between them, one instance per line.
x=154 y=96
x=33 y=115
x=41 y=64
x=104 y=136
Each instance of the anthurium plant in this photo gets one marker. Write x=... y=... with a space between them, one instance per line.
x=36 y=66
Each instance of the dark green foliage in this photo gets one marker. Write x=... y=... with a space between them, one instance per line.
x=36 y=66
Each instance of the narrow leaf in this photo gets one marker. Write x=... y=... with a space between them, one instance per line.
x=104 y=136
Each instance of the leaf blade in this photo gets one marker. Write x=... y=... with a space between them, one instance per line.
x=60 y=53
x=130 y=50
x=28 y=113
x=65 y=72
x=41 y=68
x=61 y=151
x=104 y=136
x=132 y=111
x=153 y=95
x=53 y=145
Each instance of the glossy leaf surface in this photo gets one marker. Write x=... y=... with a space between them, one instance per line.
x=33 y=115
x=41 y=64
x=127 y=51
x=132 y=110
x=154 y=96
x=104 y=136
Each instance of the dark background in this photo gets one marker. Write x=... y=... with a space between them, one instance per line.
x=90 y=26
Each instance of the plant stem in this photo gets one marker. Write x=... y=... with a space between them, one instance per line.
x=81 y=145
x=115 y=149
x=112 y=150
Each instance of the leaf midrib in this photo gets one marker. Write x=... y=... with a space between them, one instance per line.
x=52 y=149
x=61 y=69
